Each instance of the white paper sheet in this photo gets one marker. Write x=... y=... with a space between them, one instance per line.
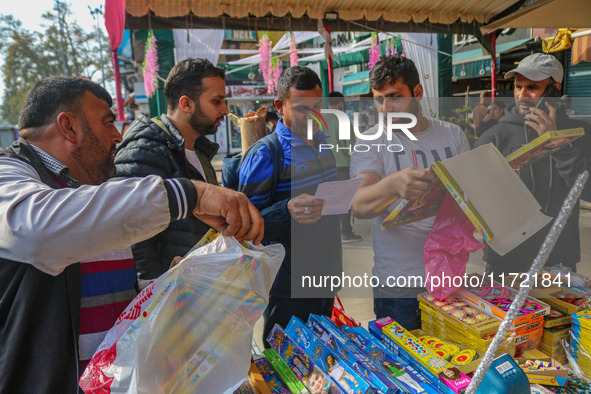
x=338 y=195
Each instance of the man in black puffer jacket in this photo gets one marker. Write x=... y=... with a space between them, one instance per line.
x=550 y=178
x=175 y=145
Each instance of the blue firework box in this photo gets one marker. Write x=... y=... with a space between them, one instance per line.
x=341 y=373
x=388 y=361
x=275 y=384
x=401 y=353
x=298 y=361
x=331 y=335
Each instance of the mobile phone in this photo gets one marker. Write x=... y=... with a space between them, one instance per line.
x=550 y=95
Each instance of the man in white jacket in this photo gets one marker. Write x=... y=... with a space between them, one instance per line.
x=56 y=210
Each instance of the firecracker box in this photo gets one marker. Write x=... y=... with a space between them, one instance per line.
x=389 y=362
x=495 y=311
x=326 y=357
x=557 y=298
x=466 y=366
x=479 y=329
x=408 y=347
x=550 y=377
x=332 y=336
x=553 y=336
x=556 y=319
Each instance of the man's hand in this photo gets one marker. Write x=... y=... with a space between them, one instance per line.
x=411 y=183
x=229 y=212
x=305 y=209
x=541 y=121
x=175 y=261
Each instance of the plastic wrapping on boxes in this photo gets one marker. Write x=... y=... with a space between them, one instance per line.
x=191 y=330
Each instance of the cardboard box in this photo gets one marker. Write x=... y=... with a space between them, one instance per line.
x=296 y=359
x=391 y=363
x=438 y=329
x=492 y=195
x=556 y=377
x=325 y=329
x=553 y=336
x=481 y=330
x=493 y=310
x=319 y=354
x=543 y=146
x=263 y=378
x=467 y=368
x=552 y=351
x=419 y=356
x=556 y=319
x=552 y=296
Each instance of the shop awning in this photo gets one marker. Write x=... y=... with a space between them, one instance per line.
x=402 y=11
x=581 y=51
x=546 y=13
x=412 y=15
x=474 y=64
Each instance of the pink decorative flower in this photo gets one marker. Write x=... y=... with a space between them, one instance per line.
x=374 y=50
x=150 y=65
x=293 y=52
x=265 y=67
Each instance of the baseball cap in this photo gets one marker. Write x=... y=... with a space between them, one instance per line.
x=538 y=67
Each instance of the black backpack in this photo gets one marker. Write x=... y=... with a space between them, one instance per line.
x=231 y=165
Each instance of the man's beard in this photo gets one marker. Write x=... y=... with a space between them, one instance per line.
x=93 y=158
x=530 y=103
x=200 y=123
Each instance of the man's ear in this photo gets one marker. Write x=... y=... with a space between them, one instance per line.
x=186 y=104
x=66 y=125
x=279 y=106
x=418 y=91
x=558 y=85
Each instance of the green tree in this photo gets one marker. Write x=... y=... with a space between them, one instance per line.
x=62 y=48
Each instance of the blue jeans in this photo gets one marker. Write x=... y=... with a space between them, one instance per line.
x=399 y=304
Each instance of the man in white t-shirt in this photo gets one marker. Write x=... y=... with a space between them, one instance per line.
x=390 y=176
x=173 y=145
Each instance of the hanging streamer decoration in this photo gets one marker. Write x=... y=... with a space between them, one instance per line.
x=374 y=50
x=265 y=66
x=293 y=52
x=276 y=69
x=391 y=48
x=150 y=65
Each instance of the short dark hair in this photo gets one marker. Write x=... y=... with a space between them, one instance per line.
x=335 y=98
x=390 y=68
x=500 y=104
x=185 y=79
x=271 y=116
x=57 y=94
x=299 y=77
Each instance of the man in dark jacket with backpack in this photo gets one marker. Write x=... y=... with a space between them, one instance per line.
x=175 y=145
x=285 y=198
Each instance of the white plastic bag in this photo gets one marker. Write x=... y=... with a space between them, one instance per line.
x=189 y=331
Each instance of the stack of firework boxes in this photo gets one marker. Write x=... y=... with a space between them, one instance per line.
x=556 y=329
x=527 y=329
x=566 y=294
x=470 y=320
x=444 y=325
x=319 y=357
x=580 y=340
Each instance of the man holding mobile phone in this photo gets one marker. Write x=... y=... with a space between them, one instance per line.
x=538 y=78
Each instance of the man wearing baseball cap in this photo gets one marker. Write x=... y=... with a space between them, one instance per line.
x=550 y=178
